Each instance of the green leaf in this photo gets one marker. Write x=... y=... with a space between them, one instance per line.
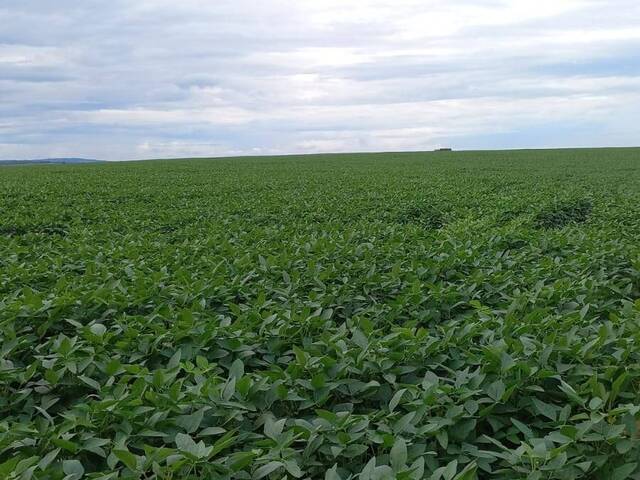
x=66 y=444
x=48 y=458
x=224 y=442
x=571 y=393
x=318 y=381
x=8 y=467
x=236 y=370
x=393 y=403
x=174 y=361
x=191 y=422
x=229 y=389
x=545 y=409
x=98 y=329
x=496 y=390
x=367 y=471
x=430 y=380
x=73 y=468
x=624 y=445
x=273 y=429
x=417 y=469
x=624 y=472
x=450 y=470
x=383 y=472
x=556 y=463
x=211 y=431
x=526 y=431
x=292 y=467
x=89 y=381
x=128 y=458
x=332 y=473
x=471 y=406
x=265 y=470
x=468 y=472
x=360 y=339
x=443 y=439
x=186 y=444
x=404 y=421
x=398 y=455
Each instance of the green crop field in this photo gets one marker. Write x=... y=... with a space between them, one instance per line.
x=368 y=316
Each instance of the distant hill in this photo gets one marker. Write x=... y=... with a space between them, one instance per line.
x=49 y=160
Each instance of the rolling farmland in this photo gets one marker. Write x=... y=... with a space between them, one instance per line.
x=445 y=315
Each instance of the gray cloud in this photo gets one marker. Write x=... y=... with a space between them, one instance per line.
x=162 y=78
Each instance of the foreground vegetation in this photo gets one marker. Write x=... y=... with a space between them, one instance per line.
x=440 y=316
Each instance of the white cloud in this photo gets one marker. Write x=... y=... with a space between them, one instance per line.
x=163 y=78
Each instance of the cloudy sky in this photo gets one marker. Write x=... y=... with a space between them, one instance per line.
x=125 y=79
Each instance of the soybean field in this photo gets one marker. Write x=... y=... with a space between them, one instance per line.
x=442 y=316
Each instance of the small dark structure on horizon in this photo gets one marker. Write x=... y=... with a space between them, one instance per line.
x=445 y=149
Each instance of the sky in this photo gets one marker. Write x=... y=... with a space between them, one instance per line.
x=129 y=79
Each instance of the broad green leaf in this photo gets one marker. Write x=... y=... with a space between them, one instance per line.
x=236 y=370
x=73 y=468
x=395 y=400
x=623 y=472
x=496 y=390
x=266 y=469
x=545 y=409
x=398 y=455
x=127 y=458
x=332 y=473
